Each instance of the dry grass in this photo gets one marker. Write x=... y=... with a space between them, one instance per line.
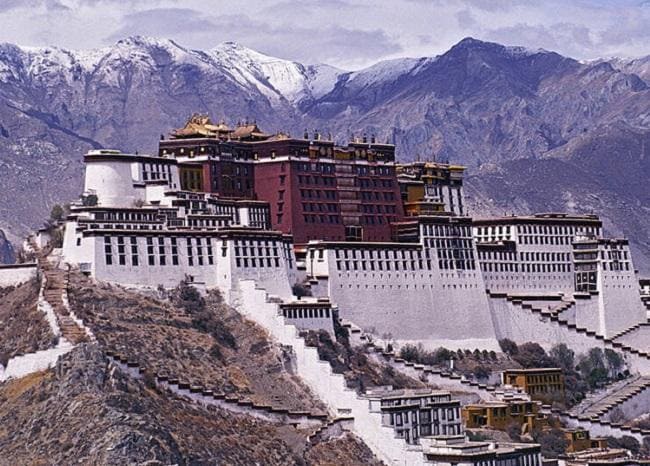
x=164 y=338
x=345 y=450
x=23 y=328
x=359 y=370
x=14 y=388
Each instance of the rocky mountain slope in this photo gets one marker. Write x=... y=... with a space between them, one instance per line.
x=505 y=112
x=84 y=411
x=91 y=410
x=7 y=254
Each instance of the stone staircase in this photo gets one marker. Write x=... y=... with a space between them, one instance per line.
x=598 y=340
x=333 y=427
x=447 y=379
x=602 y=405
x=55 y=293
x=636 y=336
x=330 y=387
x=596 y=420
x=185 y=388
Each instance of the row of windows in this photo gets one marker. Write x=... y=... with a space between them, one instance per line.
x=317 y=180
x=528 y=268
x=545 y=239
x=373 y=183
x=315 y=167
x=257 y=253
x=383 y=265
x=317 y=193
x=319 y=218
x=121 y=226
x=450 y=243
x=378 y=208
x=377 y=195
x=319 y=207
x=425 y=416
x=258 y=217
x=387 y=254
x=364 y=170
x=545 y=256
x=156 y=171
x=159 y=251
x=447 y=231
x=126 y=216
x=203 y=222
x=376 y=220
x=557 y=230
x=307 y=313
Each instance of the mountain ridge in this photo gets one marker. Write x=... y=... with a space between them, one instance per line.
x=481 y=104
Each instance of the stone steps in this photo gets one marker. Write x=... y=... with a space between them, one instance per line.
x=612 y=400
x=187 y=387
x=574 y=328
x=56 y=284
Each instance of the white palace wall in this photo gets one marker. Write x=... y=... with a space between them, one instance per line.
x=586 y=313
x=112 y=182
x=156 y=259
x=521 y=325
x=435 y=307
x=328 y=386
x=620 y=304
x=16 y=274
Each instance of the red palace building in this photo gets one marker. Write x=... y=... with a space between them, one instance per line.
x=316 y=189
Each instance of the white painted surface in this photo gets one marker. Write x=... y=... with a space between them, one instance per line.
x=14 y=275
x=328 y=386
x=21 y=366
x=521 y=325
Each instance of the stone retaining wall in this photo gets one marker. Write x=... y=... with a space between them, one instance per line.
x=328 y=386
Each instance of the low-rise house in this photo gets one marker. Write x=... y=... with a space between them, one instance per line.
x=458 y=451
x=544 y=384
x=416 y=413
x=502 y=414
x=580 y=440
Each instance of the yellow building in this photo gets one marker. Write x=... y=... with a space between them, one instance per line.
x=544 y=384
x=500 y=415
x=191 y=178
x=429 y=188
x=579 y=440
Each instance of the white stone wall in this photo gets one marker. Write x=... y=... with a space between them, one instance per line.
x=586 y=314
x=521 y=325
x=111 y=181
x=14 y=275
x=21 y=366
x=638 y=338
x=119 y=180
x=435 y=307
x=77 y=249
x=222 y=273
x=620 y=304
x=329 y=387
x=634 y=407
x=596 y=429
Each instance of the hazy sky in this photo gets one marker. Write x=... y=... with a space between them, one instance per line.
x=344 y=33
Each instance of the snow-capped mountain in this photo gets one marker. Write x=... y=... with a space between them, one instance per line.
x=275 y=78
x=499 y=110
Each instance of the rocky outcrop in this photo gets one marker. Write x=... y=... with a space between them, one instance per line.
x=23 y=327
x=85 y=412
x=7 y=254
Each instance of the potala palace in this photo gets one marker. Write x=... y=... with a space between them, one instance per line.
x=385 y=244
x=302 y=233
